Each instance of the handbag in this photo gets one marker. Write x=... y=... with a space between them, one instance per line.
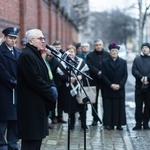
x=90 y=91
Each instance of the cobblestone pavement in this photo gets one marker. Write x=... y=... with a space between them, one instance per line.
x=98 y=138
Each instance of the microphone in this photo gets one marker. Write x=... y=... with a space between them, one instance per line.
x=66 y=56
x=52 y=49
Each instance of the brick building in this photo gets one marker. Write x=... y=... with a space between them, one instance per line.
x=46 y=15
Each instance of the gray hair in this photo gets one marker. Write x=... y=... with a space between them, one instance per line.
x=30 y=34
x=98 y=40
x=85 y=44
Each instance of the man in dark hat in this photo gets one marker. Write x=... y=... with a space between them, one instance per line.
x=141 y=72
x=114 y=75
x=8 y=70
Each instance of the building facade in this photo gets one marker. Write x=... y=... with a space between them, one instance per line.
x=48 y=15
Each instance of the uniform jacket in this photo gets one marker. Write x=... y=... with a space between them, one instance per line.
x=8 y=75
x=34 y=95
x=114 y=72
x=93 y=61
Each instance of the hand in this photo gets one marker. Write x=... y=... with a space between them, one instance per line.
x=142 y=79
x=54 y=93
x=99 y=74
x=115 y=87
x=79 y=77
x=73 y=79
x=14 y=83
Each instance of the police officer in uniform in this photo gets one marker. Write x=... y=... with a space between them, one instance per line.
x=8 y=80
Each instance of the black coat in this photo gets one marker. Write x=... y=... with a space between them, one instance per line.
x=8 y=74
x=94 y=60
x=34 y=95
x=140 y=68
x=114 y=72
x=68 y=102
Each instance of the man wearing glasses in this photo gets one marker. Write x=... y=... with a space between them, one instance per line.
x=36 y=92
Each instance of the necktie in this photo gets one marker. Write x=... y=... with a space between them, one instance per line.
x=12 y=51
x=49 y=70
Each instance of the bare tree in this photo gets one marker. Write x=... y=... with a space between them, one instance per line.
x=113 y=26
x=142 y=19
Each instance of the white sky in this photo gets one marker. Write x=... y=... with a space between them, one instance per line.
x=101 y=5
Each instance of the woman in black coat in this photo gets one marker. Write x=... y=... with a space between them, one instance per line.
x=115 y=77
x=70 y=86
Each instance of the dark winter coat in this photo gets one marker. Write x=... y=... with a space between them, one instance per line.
x=114 y=72
x=94 y=60
x=140 y=68
x=34 y=95
x=8 y=75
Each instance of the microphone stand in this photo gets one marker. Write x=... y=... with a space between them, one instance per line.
x=85 y=100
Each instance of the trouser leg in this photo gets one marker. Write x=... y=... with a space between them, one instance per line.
x=146 y=112
x=31 y=144
x=12 y=134
x=3 y=144
x=138 y=107
x=95 y=105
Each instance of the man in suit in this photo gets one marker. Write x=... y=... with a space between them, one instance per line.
x=8 y=80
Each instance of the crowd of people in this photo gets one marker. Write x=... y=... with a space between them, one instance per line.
x=37 y=87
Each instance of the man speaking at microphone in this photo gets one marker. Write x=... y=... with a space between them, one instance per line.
x=36 y=93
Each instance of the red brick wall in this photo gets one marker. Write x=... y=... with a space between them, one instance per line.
x=29 y=14
x=45 y=21
x=9 y=17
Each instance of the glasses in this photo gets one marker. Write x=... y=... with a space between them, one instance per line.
x=41 y=38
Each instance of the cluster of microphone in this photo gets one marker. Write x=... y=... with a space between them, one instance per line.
x=65 y=54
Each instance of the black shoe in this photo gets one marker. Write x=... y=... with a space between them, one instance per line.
x=109 y=127
x=137 y=128
x=94 y=123
x=61 y=120
x=119 y=128
x=86 y=128
x=146 y=127
x=71 y=127
x=79 y=118
x=54 y=120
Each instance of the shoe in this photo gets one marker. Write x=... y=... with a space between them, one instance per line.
x=79 y=118
x=50 y=126
x=119 y=128
x=54 y=120
x=137 y=128
x=109 y=127
x=71 y=127
x=61 y=120
x=94 y=123
x=146 y=127
x=86 y=128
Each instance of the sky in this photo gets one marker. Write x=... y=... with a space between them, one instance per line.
x=101 y=5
